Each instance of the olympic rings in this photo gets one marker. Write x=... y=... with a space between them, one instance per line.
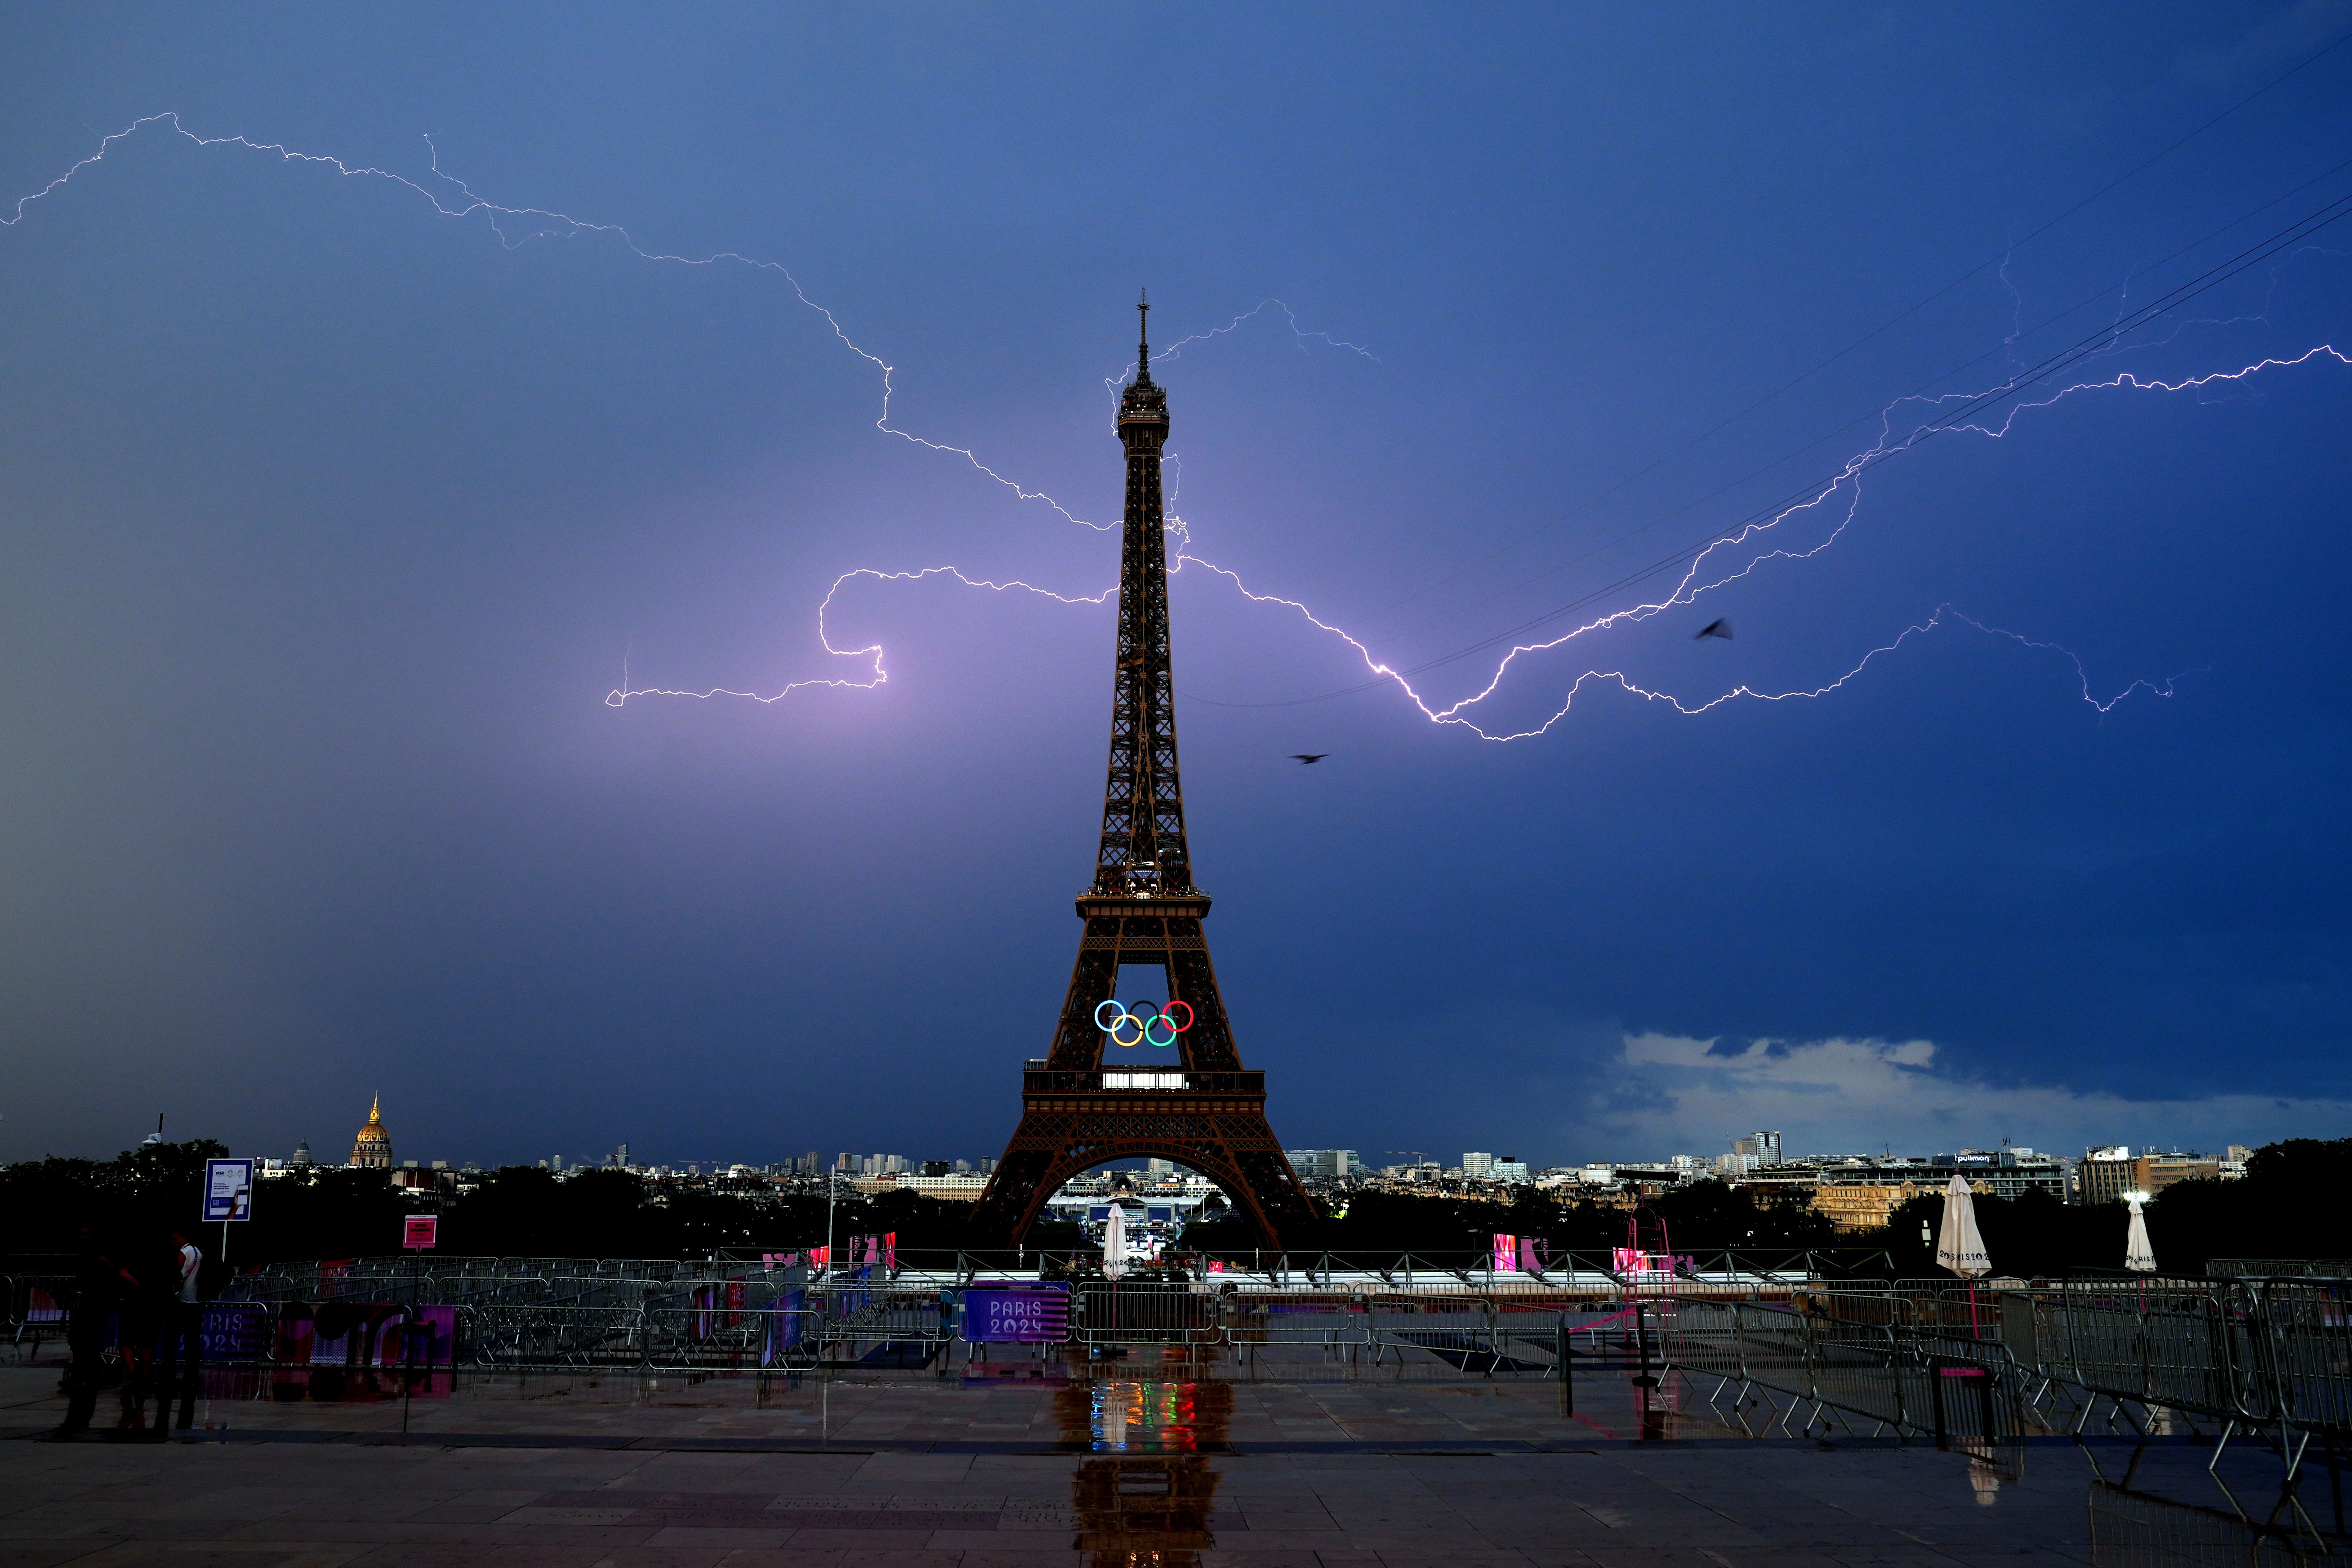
x=1143 y=1018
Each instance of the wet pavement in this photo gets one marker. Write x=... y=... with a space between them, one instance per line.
x=1149 y=1459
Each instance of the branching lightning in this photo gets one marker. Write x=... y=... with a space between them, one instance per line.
x=1688 y=589
x=875 y=674
x=1724 y=561
x=552 y=226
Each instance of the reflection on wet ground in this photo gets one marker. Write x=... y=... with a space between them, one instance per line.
x=1147 y=1498
x=1172 y=1457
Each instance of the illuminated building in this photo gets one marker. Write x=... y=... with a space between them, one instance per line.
x=372 y=1150
x=1866 y=1205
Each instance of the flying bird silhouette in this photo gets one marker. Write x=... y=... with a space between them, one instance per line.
x=1310 y=758
x=1714 y=629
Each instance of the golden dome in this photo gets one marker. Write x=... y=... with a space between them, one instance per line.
x=372 y=1150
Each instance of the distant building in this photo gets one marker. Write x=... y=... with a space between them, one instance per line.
x=1475 y=1166
x=1779 y=1184
x=2005 y=1173
x=2153 y=1172
x=302 y=1154
x=1323 y=1165
x=966 y=1186
x=1510 y=1169
x=372 y=1150
x=1864 y=1205
x=2107 y=1175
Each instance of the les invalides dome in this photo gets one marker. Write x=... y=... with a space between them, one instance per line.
x=372 y=1150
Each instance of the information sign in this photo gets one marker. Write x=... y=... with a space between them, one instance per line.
x=229 y=1189
x=1016 y=1314
x=417 y=1231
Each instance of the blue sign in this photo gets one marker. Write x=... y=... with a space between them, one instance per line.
x=1016 y=1314
x=229 y=1189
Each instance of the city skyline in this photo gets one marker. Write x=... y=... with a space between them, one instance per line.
x=374 y=1147
x=354 y=481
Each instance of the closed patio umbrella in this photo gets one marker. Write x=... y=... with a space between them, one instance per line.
x=1960 y=1247
x=1115 y=1244
x=2138 y=1256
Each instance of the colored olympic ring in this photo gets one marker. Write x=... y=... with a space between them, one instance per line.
x=1143 y=1018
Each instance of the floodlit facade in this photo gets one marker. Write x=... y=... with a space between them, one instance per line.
x=372 y=1150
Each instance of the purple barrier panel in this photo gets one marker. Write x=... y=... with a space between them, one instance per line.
x=1016 y=1314
x=235 y=1330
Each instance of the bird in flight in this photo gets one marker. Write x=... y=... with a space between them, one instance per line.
x=1310 y=758
x=1714 y=629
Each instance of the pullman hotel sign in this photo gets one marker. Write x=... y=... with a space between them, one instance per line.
x=1016 y=1314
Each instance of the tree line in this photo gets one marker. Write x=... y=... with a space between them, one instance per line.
x=2281 y=1209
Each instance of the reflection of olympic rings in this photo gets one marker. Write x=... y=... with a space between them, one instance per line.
x=1143 y=1018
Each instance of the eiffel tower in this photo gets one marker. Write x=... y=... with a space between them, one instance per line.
x=1203 y=1111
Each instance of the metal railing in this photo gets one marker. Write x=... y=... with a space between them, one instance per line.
x=1831 y=1367
x=1146 y=1314
x=39 y=1306
x=2266 y=1355
x=2181 y=1345
x=2279 y=1267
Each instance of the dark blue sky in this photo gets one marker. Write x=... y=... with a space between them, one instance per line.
x=331 y=522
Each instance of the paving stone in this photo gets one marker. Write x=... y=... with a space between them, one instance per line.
x=1309 y=1463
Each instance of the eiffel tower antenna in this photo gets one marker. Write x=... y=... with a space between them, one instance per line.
x=1143 y=337
x=1189 y=1100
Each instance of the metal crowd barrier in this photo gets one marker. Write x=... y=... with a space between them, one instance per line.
x=1296 y=1317
x=2266 y=1355
x=543 y=1336
x=1907 y=1377
x=1145 y=1314
x=2180 y=1345
x=1446 y=1326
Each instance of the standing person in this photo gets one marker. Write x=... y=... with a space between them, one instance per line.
x=139 y=1322
x=176 y=1364
x=99 y=1289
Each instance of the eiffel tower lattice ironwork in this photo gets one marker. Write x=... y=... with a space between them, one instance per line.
x=1204 y=1109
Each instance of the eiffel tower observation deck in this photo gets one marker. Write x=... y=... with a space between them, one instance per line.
x=1119 y=1093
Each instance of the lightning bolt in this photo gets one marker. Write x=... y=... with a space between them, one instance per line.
x=876 y=675
x=518 y=226
x=1688 y=589
x=549 y=225
x=1300 y=335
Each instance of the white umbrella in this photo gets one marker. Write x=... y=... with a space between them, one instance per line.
x=2138 y=1256
x=1115 y=1244
x=1960 y=1247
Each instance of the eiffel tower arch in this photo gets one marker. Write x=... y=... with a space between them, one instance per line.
x=1204 y=1109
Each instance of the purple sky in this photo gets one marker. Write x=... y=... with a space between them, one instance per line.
x=332 y=522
